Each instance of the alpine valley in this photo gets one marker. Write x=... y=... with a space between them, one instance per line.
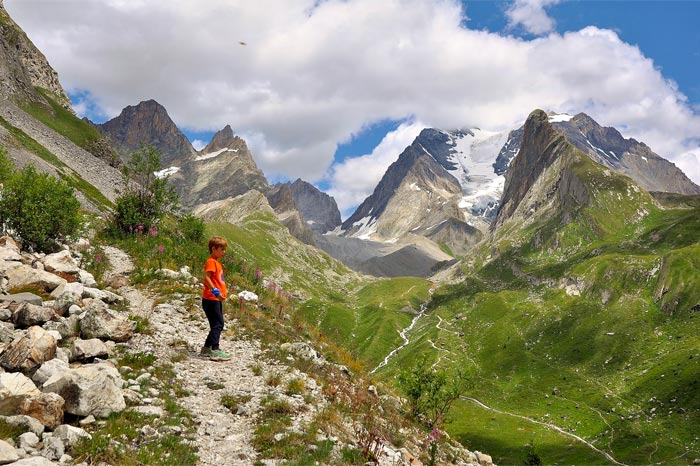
x=558 y=261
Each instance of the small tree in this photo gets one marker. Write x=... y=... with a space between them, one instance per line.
x=39 y=209
x=432 y=392
x=146 y=197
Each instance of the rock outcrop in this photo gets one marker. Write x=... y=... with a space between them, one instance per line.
x=223 y=169
x=23 y=67
x=317 y=211
x=148 y=123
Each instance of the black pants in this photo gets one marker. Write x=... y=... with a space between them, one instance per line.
x=214 y=311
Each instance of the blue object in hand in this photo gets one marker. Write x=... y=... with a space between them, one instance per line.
x=216 y=292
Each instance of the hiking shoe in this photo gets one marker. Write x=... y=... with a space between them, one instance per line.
x=205 y=351
x=218 y=355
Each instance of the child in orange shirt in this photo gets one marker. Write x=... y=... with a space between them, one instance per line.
x=213 y=297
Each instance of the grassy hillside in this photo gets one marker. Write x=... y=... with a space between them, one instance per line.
x=74 y=180
x=81 y=132
x=589 y=327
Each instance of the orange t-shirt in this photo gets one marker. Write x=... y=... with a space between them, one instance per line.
x=217 y=279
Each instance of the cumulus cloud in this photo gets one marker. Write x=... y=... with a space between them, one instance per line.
x=354 y=178
x=314 y=73
x=530 y=14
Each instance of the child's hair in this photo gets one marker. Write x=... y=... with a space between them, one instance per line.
x=217 y=242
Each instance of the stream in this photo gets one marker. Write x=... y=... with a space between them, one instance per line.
x=403 y=334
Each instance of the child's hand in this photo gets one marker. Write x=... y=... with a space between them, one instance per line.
x=216 y=292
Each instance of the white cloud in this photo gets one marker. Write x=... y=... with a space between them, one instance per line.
x=313 y=73
x=198 y=144
x=355 y=178
x=530 y=14
x=689 y=162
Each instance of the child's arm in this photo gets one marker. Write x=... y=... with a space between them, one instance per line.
x=210 y=285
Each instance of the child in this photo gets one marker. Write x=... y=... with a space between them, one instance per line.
x=212 y=298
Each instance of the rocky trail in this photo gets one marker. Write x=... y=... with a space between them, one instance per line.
x=223 y=438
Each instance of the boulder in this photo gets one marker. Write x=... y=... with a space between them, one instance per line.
x=70 y=435
x=73 y=287
x=47 y=408
x=101 y=322
x=25 y=315
x=34 y=461
x=24 y=422
x=7 y=453
x=22 y=298
x=88 y=350
x=53 y=449
x=29 y=351
x=91 y=389
x=19 y=275
x=64 y=302
x=61 y=262
x=86 y=278
x=14 y=389
x=103 y=295
x=483 y=458
x=49 y=369
x=7 y=332
x=304 y=351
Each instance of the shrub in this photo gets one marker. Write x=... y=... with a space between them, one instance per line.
x=146 y=198
x=431 y=392
x=191 y=227
x=39 y=209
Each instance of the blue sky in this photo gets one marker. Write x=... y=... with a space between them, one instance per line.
x=332 y=91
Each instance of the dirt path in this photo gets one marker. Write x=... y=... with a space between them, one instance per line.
x=223 y=438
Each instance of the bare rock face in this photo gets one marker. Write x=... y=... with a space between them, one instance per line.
x=29 y=351
x=234 y=210
x=317 y=210
x=416 y=196
x=609 y=148
x=223 y=169
x=148 y=123
x=23 y=67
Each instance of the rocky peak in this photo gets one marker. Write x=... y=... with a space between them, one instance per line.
x=23 y=67
x=148 y=123
x=606 y=146
x=318 y=210
x=541 y=146
x=223 y=139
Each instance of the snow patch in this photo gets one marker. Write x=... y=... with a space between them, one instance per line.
x=366 y=228
x=166 y=172
x=211 y=155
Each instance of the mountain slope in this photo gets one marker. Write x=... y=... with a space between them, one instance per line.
x=38 y=126
x=223 y=169
x=147 y=123
x=579 y=312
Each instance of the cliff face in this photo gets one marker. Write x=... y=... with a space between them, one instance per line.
x=23 y=67
x=148 y=123
x=225 y=168
x=318 y=210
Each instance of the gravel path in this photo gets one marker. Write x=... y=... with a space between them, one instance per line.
x=223 y=438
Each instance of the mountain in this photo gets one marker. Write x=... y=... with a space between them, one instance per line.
x=576 y=315
x=224 y=168
x=148 y=123
x=318 y=210
x=23 y=68
x=609 y=148
x=38 y=126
